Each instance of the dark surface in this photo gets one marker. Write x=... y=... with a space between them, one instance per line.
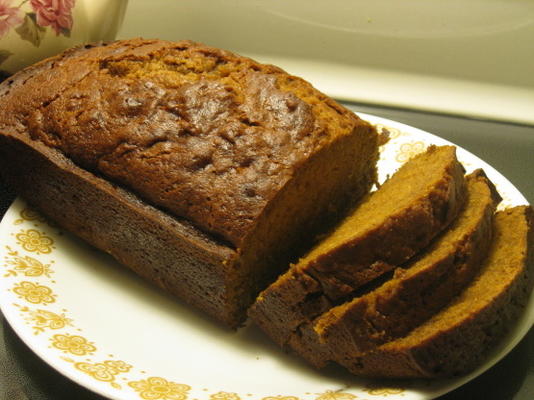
x=508 y=148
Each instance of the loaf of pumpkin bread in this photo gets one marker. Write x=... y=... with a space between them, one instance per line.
x=203 y=171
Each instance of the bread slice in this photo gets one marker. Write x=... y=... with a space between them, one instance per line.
x=389 y=227
x=203 y=171
x=419 y=289
x=457 y=339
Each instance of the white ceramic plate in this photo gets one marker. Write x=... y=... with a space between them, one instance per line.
x=104 y=328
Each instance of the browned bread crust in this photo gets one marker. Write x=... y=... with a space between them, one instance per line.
x=389 y=227
x=183 y=147
x=148 y=240
x=457 y=339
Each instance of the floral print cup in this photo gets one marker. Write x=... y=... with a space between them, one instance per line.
x=10 y=17
x=31 y=30
x=54 y=13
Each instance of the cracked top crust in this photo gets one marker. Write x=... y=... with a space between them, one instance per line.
x=200 y=132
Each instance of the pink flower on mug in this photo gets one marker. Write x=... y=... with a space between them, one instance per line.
x=54 y=13
x=9 y=16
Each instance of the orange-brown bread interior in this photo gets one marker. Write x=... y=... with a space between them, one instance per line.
x=458 y=339
x=419 y=289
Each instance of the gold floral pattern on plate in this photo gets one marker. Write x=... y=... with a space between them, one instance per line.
x=105 y=371
x=224 y=396
x=26 y=265
x=35 y=241
x=409 y=150
x=28 y=214
x=156 y=388
x=336 y=395
x=392 y=133
x=73 y=344
x=34 y=293
x=383 y=391
x=42 y=320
